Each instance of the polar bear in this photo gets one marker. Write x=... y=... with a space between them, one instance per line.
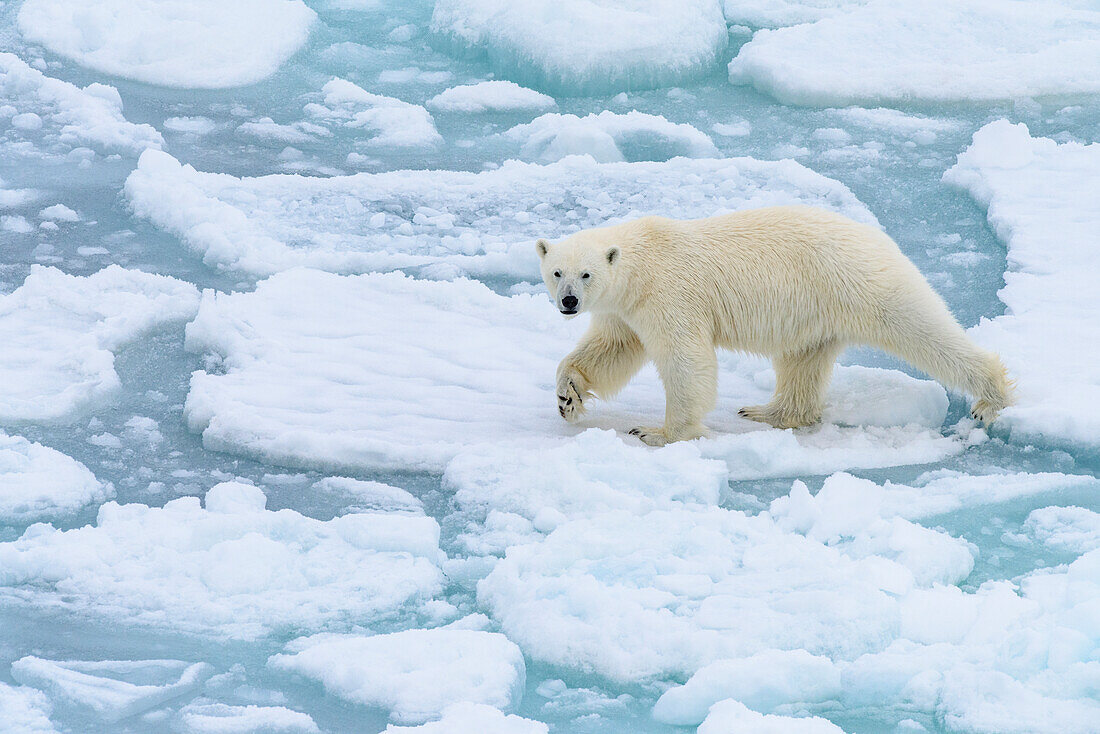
x=794 y=283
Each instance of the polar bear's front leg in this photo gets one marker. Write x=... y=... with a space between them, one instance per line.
x=608 y=355
x=690 y=375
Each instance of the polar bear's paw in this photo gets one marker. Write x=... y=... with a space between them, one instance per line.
x=650 y=436
x=985 y=411
x=570 y=399
x=776 y=417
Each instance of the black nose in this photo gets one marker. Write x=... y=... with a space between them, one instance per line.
x=570 y=302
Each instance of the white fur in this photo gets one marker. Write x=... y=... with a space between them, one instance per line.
x=796 y=284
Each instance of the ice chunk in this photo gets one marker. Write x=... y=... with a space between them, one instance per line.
x=39 y=483
x=492 y=96
x=59 y=213
x=1071 y=529
x=610 y=137
x=762 y=682
x=415 y=674
x=195 y=125
x=26 y=711
x=920 y=128
x=733 y=717
x=60 y=331
x=371 y=495
x=583 y=47
x=409 y=386
x=111 y=690
x=201 y=717
x=473 y=718
x=773 y=14
x=72 y=116
x=233 y=569
x=902 y=50
x=394 y=123
x=477 y=223
x=202 y=44
x=1041 y=200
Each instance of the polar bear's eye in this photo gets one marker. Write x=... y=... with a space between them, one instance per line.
x=586 y=275
x=557 y=273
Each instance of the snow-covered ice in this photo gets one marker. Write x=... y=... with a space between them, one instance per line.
x=390 y=122
x=779 y=13
x=232 y=568
x=26 y=710
x=416 y=674
x=610 y=137
x=1040 y=197
x=938 y=50
x=39 y=483
x=732 y=717
x=60 y=333
x=204 y=44
x=473 y=718
x=579 y=46
x=220 y=718
x=491 y=96
x=474 y=223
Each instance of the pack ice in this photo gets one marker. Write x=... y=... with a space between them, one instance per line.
x=40 y=483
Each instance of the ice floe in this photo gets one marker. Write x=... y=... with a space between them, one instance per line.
x=345 y=373
x=474 y=223
x=1068 y=529
x=491 y=96
x=39 y=483
x=26 y=710
x=392 y=122
x=582 y=47
x=232 y=569
x=773 y=14
x=473 y=718
x=68 y=116
x=890 y=51
x=202 y=717
x=416 y=674
x=609 y=137
x=111 y=690
x=60 y=333
x=203 y=44
x=1040 y=198
x=733 y=717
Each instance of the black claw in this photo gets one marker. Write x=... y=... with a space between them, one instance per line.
x=569 y=401
x=562 y=412
x=561 y=397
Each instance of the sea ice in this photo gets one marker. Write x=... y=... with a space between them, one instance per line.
x=1068 y=529
x=473 y=718
x=232 y=569
x=1040 y=198
x=585 y=47
x=71 y=116
x=609 y=137
x=111 y=690
x=491 y=96
x=202 y=717
x=459 y=222
x=773 y=14
x=733 y=717
x=26 y=711
x=904 y=50
x=39 y=483
x=60 y=333
x=416 y=674
x=392 y=122
x=204 y=44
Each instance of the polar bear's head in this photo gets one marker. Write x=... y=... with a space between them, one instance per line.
x=578 y=272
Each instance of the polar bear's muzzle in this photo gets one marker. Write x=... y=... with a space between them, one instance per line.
x=569 y=305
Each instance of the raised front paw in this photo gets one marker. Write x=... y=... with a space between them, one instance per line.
x=570 y=399
x=650 y=436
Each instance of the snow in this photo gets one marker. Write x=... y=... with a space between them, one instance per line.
x=69 y=327
x=586 y=47
x=1067 y=529
x=220 y=718
x=732 y=717
x=39 y=483
x=393 y=122
x=371 y=496
x=59 y=213
x=609 y=137
x=193 y=125
x=111 y=690
x=491 y=96
x=200 y=44
x=454 y=222
x=71 y=116
x=473 y=718
x=26 y=710
x=340 y=399
x=772 y=14
x=1040 y=198
x=233 y=569
x=416 y=674
x=900 y=51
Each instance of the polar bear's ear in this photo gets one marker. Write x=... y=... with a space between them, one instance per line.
x=542 y=247
x=612 y=255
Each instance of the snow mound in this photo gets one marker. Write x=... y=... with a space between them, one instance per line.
x=233 y=569
x=733 y=717
x=26 y=710
x=899 y=51
x=415 y=674
x=491 y=96
x=111 y=690
x=200 y=44
x=609 y=137
x=1068 y=529
x=71 y=116
x=349 y=373
x=450 y=222
x=473 y=718
x=394 y=123
x=60 y=332
x=39 y=483
x=772 y=14
x=1041 y=201
x=201 y=717
x=587 y=47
